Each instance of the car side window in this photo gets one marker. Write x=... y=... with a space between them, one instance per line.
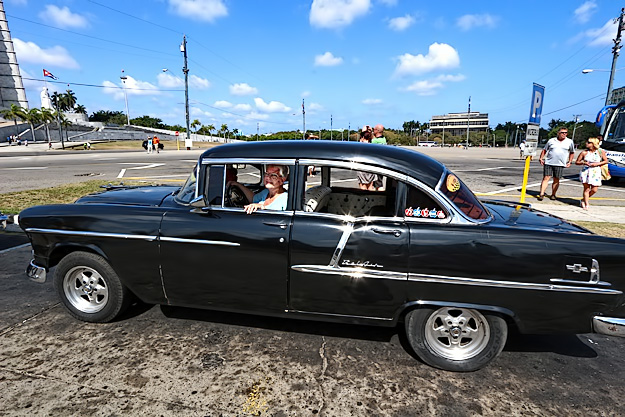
x=420 y=205
x=344 y=191
x=264 y=184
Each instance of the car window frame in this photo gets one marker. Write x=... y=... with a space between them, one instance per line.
x=291 y=163
x=462 y=216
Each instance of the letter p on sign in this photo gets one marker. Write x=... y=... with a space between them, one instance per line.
x=536 y=109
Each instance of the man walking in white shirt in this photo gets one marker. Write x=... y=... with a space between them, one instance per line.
x=557 y=154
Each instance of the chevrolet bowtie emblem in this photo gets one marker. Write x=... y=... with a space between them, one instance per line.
x=577 y=268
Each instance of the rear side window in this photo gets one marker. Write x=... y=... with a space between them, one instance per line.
x=463 y=198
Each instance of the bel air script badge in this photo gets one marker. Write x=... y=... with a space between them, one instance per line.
x=365 y=264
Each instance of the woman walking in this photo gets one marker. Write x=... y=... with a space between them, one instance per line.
x=592 y=158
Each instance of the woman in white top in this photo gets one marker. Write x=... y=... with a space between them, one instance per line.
x=592 y=158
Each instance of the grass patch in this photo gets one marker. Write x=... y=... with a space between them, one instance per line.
x=605 y=229
x=13 y=203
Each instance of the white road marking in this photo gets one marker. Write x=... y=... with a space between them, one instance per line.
x=121 y=173
x=14 y=247
x=28 y=168
x=141 y=167
x=161 y=176
x=483 y=169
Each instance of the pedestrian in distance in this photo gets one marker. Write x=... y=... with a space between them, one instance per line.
x=591 y=159
x=157 y=143
x=150 y=144
x=557 y=154
x=522 y=149
x=367 y=180
x=378 y=135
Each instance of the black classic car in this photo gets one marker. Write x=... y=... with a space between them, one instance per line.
x=380 y=235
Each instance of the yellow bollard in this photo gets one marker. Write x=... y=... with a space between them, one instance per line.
x=526 y=173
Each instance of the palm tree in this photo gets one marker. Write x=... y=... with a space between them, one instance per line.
x=195 y=125
x=224 y=129
x=32 y=116
x=210 y=129
x=80 y=109
x=13 y=113
x=68 y=100
x=55 y=98
x=47 y=116
x=65 y=123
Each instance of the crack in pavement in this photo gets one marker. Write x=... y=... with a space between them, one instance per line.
x=16 y=325
x=324 y=367
x=101 y=390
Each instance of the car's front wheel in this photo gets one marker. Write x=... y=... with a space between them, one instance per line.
x=455 y=338
x=89 y=288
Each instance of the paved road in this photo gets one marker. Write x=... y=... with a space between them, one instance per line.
x=174 y=361
x=490 y=172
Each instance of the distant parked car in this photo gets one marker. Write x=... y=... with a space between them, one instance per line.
x=420 y=250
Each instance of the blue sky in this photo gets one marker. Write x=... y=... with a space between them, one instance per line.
x=359 y=61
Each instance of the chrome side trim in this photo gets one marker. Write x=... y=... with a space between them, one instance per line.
x=94 y=234
x=340 y=315
x=439 y=279
x=241 y=210
x=200 y=241
x=610 y=326
x=354 y=165
x=595 y=274
x=572 y=281
x=35 y=272
x=356 y=272
x=347 y=232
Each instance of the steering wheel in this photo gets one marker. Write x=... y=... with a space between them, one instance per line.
x=235 y=197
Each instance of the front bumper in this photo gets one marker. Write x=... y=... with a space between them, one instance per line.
x=35 y=272
x=611 y=326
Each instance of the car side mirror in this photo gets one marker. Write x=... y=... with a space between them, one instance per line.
x=198 y=202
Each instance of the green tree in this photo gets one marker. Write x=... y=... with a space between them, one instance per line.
x=68 y=100
x=195 y=124
x=80 y=109
x=147 y=121
x=13 y=113
x=47 y=116
x=105 y=116
x=224 y=129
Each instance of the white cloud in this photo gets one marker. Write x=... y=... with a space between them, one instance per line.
x=243 y=89
x=602 y=36
x=327 y=60
x=133 y=88
x=202 y=10
x=199 y=83
x=256 y=115
x=167 y=80
x=470 y=21
x=370 y=101
x=305 y=94
x=439 y=56
x=55 y=56
x=223 y=104
x=585 y=11
x=32 y=84
x=63 y=17
x=271 y=107
x=242 y=107
x=333 y=14
x=197 y=112
x=431 y=87
x=315 y=107
x=401 y=23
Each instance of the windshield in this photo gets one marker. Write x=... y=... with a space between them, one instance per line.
x=616 y=128
x=187 y=192
x=463 y=198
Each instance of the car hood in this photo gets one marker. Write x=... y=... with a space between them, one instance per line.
x=508 y=214
x=136 y=196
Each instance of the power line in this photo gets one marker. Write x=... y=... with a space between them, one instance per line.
x=97 y=85
x=136 y=17
x=240 y=115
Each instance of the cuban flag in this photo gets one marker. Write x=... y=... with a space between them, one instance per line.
x=48 y=74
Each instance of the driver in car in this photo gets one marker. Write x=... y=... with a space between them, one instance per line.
x=273 y=197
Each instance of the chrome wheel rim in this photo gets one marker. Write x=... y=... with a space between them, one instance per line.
x=457 y=333
x=85 y=289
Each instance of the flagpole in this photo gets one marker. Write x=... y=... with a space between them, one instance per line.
x=303 y=120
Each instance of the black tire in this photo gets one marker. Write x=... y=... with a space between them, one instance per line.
x=455 y=339
x=89 y=288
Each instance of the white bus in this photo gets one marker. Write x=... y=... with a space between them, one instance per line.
x=428 y=143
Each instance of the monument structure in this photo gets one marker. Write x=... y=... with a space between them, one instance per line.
x=11 y=86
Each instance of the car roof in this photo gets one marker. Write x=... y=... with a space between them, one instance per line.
x=407 y=161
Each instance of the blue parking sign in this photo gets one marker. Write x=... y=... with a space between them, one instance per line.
x=536 y=109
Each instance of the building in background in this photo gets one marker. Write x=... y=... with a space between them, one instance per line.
x=455 y=124
x=618 y=95
x=11 y=86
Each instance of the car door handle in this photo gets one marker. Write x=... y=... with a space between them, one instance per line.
x=394 y=232
x=281 y=225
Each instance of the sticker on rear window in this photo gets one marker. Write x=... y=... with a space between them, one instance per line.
x=453 y=183
x=425 y=213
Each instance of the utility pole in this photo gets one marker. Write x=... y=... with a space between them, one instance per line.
x=349 y=127
x=468 y=119
x=303 y=121
x=257 y=129
x=443 y=144
x=185 y=70
x=615 y=53
x=330 y=127
x=576 y=116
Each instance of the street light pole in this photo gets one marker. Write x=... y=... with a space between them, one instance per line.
x=468 y=121
x=303 y=121
x=124 y=78
x=185 y=70
x=330 y=127
x=615 y=53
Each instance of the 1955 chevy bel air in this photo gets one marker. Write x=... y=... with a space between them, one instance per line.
x=412 y=247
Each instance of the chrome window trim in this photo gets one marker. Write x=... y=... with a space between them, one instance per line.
x=353 y=272
x=441 y=279
x=263 y=211
x=199 y=241
x=355 y=166
x=572 y=281
x=463 y=216
x=93 y=234
x=266 y=161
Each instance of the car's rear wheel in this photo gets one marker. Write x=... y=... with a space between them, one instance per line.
x=89 y=288
x=455 y=338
